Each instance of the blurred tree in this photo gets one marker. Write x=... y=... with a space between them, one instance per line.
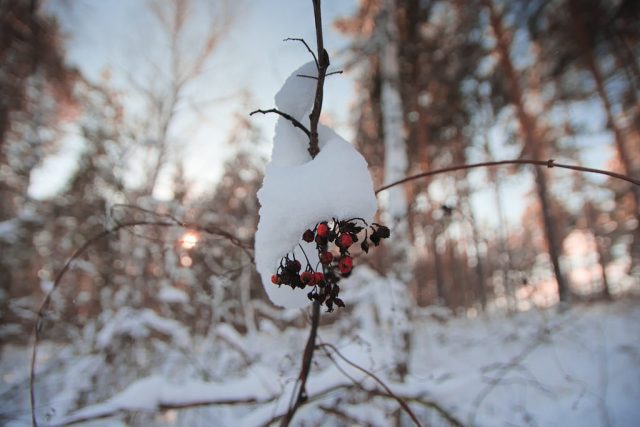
x=599 y=39
x=36 y=87
x=532 y=135
x=166 y=93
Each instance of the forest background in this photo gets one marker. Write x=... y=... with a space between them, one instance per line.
x=122 y=111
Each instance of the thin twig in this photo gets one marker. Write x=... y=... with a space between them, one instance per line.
x=546 y=163
x=208 y=229
x=428 y=403
x=315 y=78
x=293 y=121
x=315 y=59
x=161 y=407
x=307 y=358
x=417 y=399
x=400 y=401
x=323 y=64
x=340 y=415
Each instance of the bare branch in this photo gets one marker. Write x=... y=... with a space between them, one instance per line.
x=322 y=64
x=301 y=395
x=315 y=59
x=333 y=73
x=401 y=401
x=546 y=163
x=417 y=399
x=116 y=411
x=293 y=121
x=340 y=415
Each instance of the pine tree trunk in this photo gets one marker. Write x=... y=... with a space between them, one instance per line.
x=532 y=147
x=582 y=34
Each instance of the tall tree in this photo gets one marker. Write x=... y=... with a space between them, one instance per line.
x=533 y=144
x=596 y=33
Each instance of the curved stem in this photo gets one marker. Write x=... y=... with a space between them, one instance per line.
x=400 y=401
x=293 y=121
x=546 y=163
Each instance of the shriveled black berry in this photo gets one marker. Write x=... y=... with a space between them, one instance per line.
x=308 y=236
x=375 y=238
x=383 y=231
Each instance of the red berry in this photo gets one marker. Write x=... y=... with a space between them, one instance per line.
x=318 y=277
x=344 y=241
x=308 y=236
x=323 y=230
x=307 y=278
x=345 y=265
x=326 y=258
x=275 y=279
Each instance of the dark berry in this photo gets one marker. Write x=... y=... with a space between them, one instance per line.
x=326 y=258
x=383 y=232
x=308 y=236
x=294 y=265
x=375 y=238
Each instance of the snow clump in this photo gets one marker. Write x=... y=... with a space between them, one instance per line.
x=298 y=192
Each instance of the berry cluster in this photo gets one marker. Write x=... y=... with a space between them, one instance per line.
x=334 y=263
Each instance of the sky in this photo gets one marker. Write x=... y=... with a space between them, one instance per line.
x=121 y=37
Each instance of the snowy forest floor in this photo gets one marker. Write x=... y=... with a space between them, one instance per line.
x=576 y=368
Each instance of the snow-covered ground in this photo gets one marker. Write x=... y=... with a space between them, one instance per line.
x=577 y=368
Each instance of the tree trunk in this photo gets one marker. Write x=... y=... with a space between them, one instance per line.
x=582 y=34
x=531 y=147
